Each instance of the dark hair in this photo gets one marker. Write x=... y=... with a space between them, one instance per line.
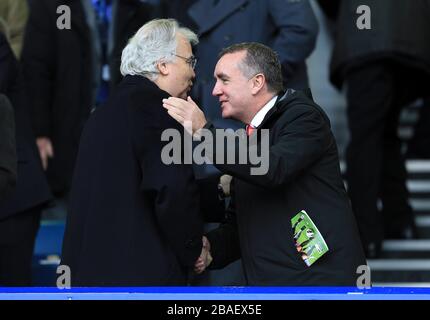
x=259 y=59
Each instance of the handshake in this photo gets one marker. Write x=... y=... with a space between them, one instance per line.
x=205 y=258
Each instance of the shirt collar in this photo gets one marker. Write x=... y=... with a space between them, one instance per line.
x=259 y=117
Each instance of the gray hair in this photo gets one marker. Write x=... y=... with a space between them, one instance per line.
x=154 y=42
x=259 y=59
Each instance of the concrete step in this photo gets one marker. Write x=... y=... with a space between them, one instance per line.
x=418 y=187
x=402 y=284
x=406 y=249
x=412 y=166
x=384 y=271
x=420 y=206
x=423 y=225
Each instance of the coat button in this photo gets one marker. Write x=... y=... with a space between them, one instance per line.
x=227 y=38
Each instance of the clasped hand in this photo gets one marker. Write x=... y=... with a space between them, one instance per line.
x=205 y=258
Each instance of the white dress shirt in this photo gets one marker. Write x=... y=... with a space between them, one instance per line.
x=259 y=117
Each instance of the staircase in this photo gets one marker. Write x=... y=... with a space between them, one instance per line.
x=407 y=262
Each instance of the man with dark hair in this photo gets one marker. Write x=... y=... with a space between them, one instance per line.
x=302 y=174
x=259 y=59
x=288 y=26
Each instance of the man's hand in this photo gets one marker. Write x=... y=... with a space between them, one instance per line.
x=186 y=112
x=205 y=258
x=45 y=150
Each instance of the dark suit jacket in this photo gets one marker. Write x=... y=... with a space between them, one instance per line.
x=303 y=174
x=58 y=69
x=7 y=148
x=133 y=221
x=32 y=188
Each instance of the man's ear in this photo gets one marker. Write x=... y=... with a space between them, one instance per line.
x=258 y=82
x=162 y=67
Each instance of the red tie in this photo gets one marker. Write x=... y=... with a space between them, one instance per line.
x=249 y=129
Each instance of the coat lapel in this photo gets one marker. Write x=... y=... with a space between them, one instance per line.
x=207 y=16
x=274 y=110
x=283 y=96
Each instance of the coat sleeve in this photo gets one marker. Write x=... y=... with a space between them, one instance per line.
x=170 y=188
x=298 y=30
x=224 y=240
x=8 y=160
x=212 y=206
x=305 y=137
x=38 y=61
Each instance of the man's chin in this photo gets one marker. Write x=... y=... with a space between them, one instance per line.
x=225 y=115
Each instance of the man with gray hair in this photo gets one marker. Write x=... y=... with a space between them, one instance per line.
x=133 y=220
x=303 y=174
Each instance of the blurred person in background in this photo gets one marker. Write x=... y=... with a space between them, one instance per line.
x=69 y=72
x=383 y=69
x=20 y=212
x=418 y=144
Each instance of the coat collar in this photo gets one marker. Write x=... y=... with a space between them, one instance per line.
x=207 y=17
x=142 y=82
x=282 y=103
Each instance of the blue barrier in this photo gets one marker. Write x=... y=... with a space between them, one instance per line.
x=216 y=293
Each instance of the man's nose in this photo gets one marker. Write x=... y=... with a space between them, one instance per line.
x=216 y=91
